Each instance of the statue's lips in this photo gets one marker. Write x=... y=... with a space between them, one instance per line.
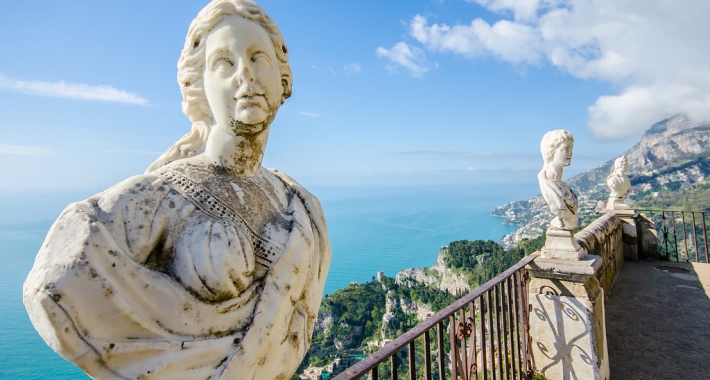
x=251 y=101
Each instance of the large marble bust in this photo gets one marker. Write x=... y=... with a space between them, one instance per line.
x=208 y=266
x=619 y=185
x=556 y=148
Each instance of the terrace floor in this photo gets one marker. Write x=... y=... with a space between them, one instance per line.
x=658 y=321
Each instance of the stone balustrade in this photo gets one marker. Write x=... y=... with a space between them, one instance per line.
x=604 y=238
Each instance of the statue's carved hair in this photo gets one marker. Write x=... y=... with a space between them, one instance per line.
x=190 y=72
x=551 y=141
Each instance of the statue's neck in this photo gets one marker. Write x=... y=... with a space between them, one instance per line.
x=241 y=155
x=552 y=172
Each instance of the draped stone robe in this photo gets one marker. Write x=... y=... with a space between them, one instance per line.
x=561 y=199
x=160 y=277
x=619 y=184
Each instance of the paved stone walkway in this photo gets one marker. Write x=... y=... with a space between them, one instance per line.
x=658 y=321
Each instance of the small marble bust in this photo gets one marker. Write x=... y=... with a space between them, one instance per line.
x=556 y=148
x=619 y=185
x=207 y=266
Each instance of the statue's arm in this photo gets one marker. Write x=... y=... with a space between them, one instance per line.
x=137 y=213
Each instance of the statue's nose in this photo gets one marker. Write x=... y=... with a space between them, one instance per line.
x=244 y=74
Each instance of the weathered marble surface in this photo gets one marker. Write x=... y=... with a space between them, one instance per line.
x=619 y=185
x=556 y=148
x=208 y=266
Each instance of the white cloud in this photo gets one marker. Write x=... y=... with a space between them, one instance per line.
x=24 y=150
x=506 y=40
x=72 y=91
x=352 y=68
x=411 y=57
x=654 y=51
x=521 y=9
x=309 y=114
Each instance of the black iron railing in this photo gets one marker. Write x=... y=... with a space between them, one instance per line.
x=682 y=235
x=483 y=335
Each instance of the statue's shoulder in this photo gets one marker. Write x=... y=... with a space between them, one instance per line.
x=309 y=200
x=290 y=183
x=133 y=189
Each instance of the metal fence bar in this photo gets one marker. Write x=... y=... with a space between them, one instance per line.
x=705 y=238
x=665 y=233
x=525 y=316
x=440 y=344
x=685 y=238
x=498 y=332
x=506 y=330
x=452 y=342
x=695 y=239
x=492 y=299
x=675 y=236
x=427 y=355
x=491 y=344
x=393 y=363
x=462 y=336
x=516 y=322
x=412 y=362
x=484 y=358
x=474 y=341
x=511 y=328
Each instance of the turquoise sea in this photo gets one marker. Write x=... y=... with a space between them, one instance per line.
x=370 y=229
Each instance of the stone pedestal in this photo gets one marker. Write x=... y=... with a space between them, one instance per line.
x=617 y=204
x=560 y=244
x=630 y=232
x=567 y=325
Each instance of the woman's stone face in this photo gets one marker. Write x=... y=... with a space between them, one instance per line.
x=241 y=76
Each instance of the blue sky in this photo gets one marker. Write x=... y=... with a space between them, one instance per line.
x=385 y=93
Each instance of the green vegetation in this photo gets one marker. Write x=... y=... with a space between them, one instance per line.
x=695 y=197
x=480 y=260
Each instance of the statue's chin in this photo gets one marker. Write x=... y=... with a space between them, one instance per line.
x=251 y=115
x=249 y=127
x=251 y=120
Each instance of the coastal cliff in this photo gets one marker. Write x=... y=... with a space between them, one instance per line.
x=438 y=275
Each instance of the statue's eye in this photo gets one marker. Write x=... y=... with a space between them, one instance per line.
x=260 y=58
x=223 y=65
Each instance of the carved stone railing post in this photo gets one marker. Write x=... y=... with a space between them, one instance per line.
x=567 y=324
